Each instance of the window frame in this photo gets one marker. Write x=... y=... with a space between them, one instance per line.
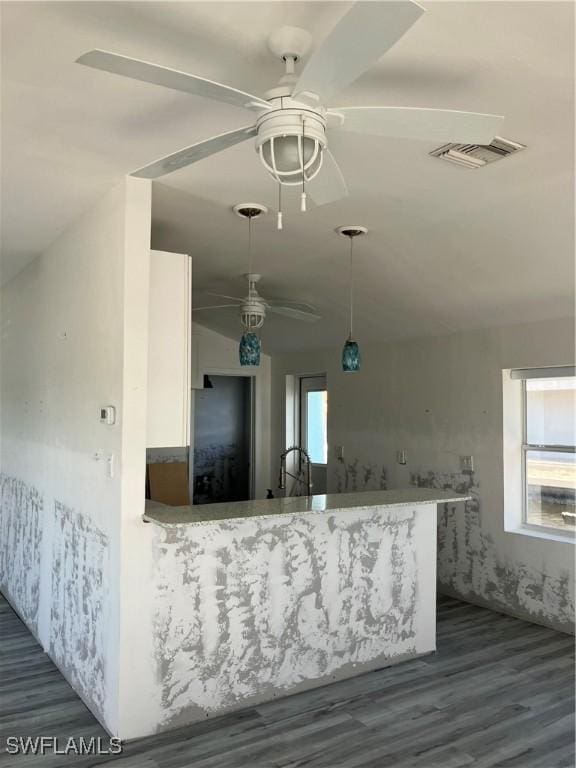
x=314 y=383
x=525 y=448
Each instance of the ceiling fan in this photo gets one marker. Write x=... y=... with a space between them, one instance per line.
x=293 y=121
x=253 y=307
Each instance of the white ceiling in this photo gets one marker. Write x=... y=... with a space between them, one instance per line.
x=448 y=248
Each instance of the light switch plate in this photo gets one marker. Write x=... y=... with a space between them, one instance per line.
x=339 y=452
x=402 y=457
x=108 y=414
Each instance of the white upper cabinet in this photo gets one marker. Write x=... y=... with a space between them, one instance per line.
x=169 y=350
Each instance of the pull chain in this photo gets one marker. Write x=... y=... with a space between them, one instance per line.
x=279 y=220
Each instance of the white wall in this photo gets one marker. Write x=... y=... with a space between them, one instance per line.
x=439 y=398
x=140 y=694
x=74 y=552
x=73 y=340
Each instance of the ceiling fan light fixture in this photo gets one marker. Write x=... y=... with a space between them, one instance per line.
x=253 y=310
x=282 y=158
x=251 y=319
x=291 y=143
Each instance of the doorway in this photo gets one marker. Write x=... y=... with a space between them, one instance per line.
x=314 y=427
x=223 y=439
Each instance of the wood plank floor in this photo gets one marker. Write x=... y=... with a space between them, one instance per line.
x=499 y=692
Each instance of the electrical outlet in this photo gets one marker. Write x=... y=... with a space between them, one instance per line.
x=402 y=457
x=466 y=463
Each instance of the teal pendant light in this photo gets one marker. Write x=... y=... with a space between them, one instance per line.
x=249 y=349
x=250 y=344
x=351 y=358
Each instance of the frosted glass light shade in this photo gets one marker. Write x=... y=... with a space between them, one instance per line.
x=282 y=157
x=351 y=357
x=249 y=349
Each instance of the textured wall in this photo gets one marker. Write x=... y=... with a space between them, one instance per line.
x=440 y=398
x=79 y=608
x=354 y=475
x=470 y=565
x=220 y=473
x=254 y=608
x=21 y=509
x=78 y=554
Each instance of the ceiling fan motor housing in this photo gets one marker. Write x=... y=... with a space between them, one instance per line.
x=291 y=140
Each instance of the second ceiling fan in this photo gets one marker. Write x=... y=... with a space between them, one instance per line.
x=254 y=307
x=293 y=121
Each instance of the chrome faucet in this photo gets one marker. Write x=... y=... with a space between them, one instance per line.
x=303 y=454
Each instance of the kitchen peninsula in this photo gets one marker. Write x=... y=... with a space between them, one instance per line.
x=255 y=600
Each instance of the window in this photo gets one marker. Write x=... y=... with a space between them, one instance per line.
x=548 y=448
x=314 y=418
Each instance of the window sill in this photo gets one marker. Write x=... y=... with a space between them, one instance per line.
x=551 y=534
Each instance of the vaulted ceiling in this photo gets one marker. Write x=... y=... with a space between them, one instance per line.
x=448 y=248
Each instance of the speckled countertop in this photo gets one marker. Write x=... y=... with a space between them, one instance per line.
x=166 y=516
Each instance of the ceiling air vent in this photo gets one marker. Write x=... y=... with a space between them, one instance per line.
x=477 y=155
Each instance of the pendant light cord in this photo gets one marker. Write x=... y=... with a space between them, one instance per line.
x=249 y=247
x=303 y=166
x=303 y=195
x=351 y=289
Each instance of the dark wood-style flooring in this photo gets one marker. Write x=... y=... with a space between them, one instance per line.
x=499 y=692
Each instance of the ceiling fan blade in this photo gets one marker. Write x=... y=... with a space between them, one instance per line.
x=289 y=303
x=357 y=41
x=224 y=296
x=215 y=306
x=170 y=78
x=295 y=314
x=192 y=154
x=434 y=125
x=329 y=185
